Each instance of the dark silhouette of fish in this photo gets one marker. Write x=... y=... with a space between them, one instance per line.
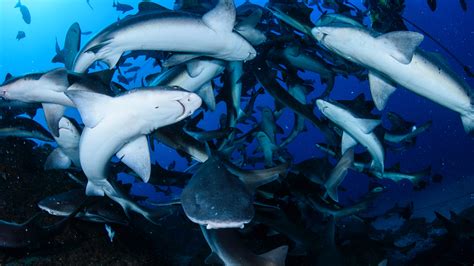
x=21 y=34
x=122 y=7
x=432 y=4
x=463 y=5
x=72 y=44
x=25 y=13
x=31 y=233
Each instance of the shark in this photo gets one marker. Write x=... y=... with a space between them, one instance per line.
x=228 y=249
x=72 y=45
x=188 y=35
x=141 y=111
x=355 y=130
x=195 y=76
x=395 y=59
x=220 y=194
x=46 y=88
x=67 y=152
x=21 y=127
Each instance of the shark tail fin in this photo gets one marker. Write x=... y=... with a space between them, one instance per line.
x=277 y=256
x=94 y=190
x=468 y=121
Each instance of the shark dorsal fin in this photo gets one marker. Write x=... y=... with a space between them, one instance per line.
x=151 y=7
x=402 y=44
x=222 y=17
x=8 y=76
x=92 y=106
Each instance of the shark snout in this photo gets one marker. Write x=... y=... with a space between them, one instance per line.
x=318 y=33
x=190 y=103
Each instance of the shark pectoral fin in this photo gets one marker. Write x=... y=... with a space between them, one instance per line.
x=468 y=122
x=92 y=106
x=380 y=90
x=136 y=155
x=368 y=125
x=213 y=258
x=58 y=77
x=57 y=160
x=403 y=44
x=347 y=142
x=194 y=68
x=53 y=113
x=94 y=190
x=206 y=92
x=177 y=59
x=221 y=17
x=277 y=256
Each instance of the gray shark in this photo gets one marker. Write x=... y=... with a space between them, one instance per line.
x=356 y=130
x=23 y=128
x=196 y=76
x=216 y=198
x=220 y=194
x=103 y=211
x=67 y=152
x=142 y=111
x=393 y=58
x=228 y=249
x=338 y=174
x=72 y=44
x=211 y=35
x=45 y=88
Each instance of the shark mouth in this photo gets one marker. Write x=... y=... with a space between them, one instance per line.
x=184 y=113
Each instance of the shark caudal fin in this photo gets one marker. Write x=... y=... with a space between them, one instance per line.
x=468 y=121
x=276 y=256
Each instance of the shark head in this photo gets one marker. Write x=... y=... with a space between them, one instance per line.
x=17 y=88
x=162 y=106
x=241 y=50
x=334 y=38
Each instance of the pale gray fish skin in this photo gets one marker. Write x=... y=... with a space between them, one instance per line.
x=142 y=110
x=68 y=145
x=210 y=35
x=216 y=198
x=354 y=127
x=48 y=87
x=225 y=243
x=422 y=74
x=196 y=77
x=337 y=175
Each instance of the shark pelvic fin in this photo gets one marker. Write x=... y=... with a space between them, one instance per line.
x=136 y=155
x=380 y=89
x=347 y=142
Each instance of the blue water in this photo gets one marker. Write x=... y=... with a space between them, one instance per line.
x=445 y=147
